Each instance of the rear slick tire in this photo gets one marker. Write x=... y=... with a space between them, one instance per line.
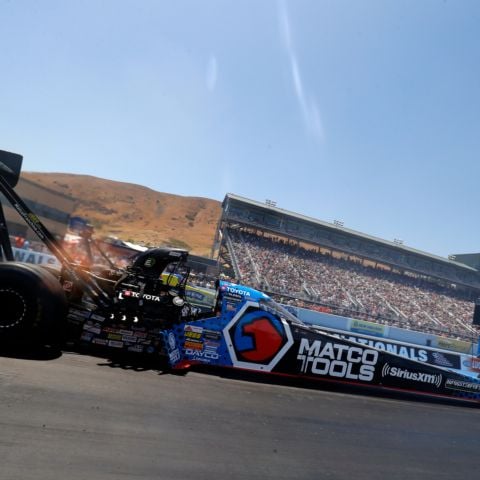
x=33 y=307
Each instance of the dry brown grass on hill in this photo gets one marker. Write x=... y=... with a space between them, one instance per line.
x=136 y=213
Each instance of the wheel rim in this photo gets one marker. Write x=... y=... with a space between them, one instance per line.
x=13 y=307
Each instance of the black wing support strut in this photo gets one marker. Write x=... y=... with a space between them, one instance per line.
x=43 y=234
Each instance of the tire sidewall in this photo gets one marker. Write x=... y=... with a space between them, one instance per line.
x=45 y=305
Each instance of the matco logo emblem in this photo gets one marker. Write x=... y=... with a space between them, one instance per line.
x=256 y=339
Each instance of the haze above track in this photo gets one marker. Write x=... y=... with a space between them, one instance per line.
x=80 y=417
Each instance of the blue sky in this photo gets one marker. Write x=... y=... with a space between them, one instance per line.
x=362 y=111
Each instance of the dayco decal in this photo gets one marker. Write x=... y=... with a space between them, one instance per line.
x=209 y=354
x=413 y=353
x=337 y=360
x=397 y=372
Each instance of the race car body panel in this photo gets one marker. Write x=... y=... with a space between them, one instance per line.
x=252 y=332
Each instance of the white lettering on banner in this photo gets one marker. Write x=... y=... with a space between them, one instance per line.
x=30 y=256
x=337 y=360
x=413 y=353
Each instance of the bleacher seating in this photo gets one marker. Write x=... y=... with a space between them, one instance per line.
x=307 y=277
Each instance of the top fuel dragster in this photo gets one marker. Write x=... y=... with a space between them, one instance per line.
x=148 y=308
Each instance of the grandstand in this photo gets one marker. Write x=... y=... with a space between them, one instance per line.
x=314 y=264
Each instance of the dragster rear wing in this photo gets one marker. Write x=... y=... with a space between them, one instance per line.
x=10 y=167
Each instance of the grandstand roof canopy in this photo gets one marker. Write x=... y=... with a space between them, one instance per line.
x=277 y=220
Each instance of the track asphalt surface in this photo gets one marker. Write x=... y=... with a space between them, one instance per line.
x=82 y=417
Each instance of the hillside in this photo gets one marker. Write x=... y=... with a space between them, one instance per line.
x=136 y=213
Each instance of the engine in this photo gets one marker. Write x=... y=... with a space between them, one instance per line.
x=152 y=290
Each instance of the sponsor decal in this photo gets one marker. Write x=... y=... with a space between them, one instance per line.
x=235 y=292
x=172 y=343
x=195 y=295
x=149 y=262
x=337 y=360
x=193 y=345
x=140 y=334
x=135 y=348
x=97 y=318
x=115 y=344
x=462 y=385
x=92 y=329
x=99 y=341
x=204 y=355
x=193 y=328
x=406 y=374
x=193 y=335
x=78 y=313
x=231 y=307
x=138 y=329
x=212 y=335
x=146 y=296
x=441 y=360
x=75 y=319
x=125 y=332
x=256 y=339
x=32 y=220
x=110 y=330
x=86 y=337
x=174 y=356
x=114 y=336
x=472 y=363
x=129 y=338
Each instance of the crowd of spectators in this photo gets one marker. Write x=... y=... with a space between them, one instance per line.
x=348 y=286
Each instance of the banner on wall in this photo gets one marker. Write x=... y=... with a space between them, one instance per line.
x=39 y=258
x=368 y=328
x=453 y=344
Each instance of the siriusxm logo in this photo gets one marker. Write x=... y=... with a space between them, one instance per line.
x=397 y=372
